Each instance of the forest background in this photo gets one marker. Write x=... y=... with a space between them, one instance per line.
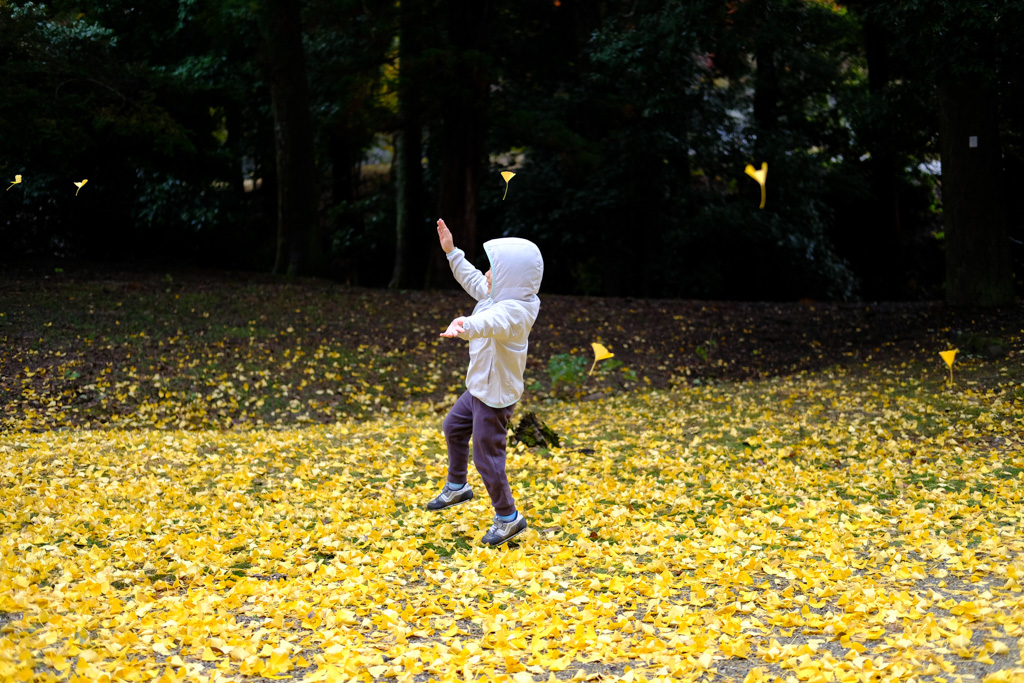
x=211 y=473
x=325 y=137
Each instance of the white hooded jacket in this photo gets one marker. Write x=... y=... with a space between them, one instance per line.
x=499 y=328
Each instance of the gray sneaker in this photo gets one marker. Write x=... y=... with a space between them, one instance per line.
x=449 y=497
x=503 y=532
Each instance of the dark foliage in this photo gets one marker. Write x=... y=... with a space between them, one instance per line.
x=628 y=124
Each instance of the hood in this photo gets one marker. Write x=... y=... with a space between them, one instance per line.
x=516 y=268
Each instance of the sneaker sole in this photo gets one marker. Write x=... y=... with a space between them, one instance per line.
x=513 y=536
x=464 y=500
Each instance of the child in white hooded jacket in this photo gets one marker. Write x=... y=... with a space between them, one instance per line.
x=498 y=331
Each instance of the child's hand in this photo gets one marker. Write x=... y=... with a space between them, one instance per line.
x=455 y=329
x=445 y=235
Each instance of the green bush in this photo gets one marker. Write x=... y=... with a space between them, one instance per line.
x=567 y=371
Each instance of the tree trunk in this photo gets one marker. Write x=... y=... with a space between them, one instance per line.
x=879 y=252
x=977 y=241
x=463 y=130
x=298 y=249
x=345 y=155
x=411 y=243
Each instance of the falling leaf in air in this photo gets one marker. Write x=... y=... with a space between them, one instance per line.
x=79 y=185
x=948 y=356
x=600 y=353
x=761 y=177
x=507 y=175
x=17 y=179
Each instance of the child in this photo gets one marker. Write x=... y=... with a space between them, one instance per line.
x=497 y=331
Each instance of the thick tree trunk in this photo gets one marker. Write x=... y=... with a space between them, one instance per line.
x=463 y=129
x=298 y=250
x=345 y=155
x=411 y=243
x=977 y=241
x=879 y=251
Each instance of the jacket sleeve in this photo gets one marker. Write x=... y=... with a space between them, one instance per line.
x=471 y=279
x=503 y=322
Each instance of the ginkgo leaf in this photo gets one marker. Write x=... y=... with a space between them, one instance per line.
x=507 y=175
x=760 y=176
x=600 y=353
x=79 y=185
x=949 y=356
x=17 y=179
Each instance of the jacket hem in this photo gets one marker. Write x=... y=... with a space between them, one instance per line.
x=491 y=405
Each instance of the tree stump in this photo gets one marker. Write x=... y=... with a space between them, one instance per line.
x=532 y=432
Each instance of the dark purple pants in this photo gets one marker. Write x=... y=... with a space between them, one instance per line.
x=471 y=417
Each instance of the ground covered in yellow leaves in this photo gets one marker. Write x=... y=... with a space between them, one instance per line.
x=856 y=521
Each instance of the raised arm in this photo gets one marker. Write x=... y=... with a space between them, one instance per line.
x=471 y=279
x=445 y=236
